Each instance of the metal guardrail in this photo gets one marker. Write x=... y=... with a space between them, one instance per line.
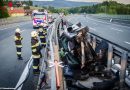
x=113 y=48
x=11 y=20
x=52 y=42
x=45 y=59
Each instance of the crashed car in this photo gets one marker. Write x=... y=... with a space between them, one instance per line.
x=84 y=68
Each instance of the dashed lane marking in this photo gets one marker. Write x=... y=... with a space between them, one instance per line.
x=127 y=42
x=117 y=29
x=106 y=22
x=95 y=23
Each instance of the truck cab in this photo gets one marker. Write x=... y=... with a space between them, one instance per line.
x=39 y=19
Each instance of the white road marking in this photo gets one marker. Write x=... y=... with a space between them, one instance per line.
x=95 y=23
x=24 y=74
x=3 y=88
x=117 y=29
x=92 y=28
x=106 y=22
x=127 y=42
x=22 y=30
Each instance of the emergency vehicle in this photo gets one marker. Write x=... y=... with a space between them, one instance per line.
x=39 y=19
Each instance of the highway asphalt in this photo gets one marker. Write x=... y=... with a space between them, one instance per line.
x=11 y=68
x=116 y=33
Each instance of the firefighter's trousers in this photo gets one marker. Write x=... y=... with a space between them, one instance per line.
x=36 y=64
x=43 y=42
x=19 y=51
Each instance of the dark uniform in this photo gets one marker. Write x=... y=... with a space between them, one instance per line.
x=36 y=54
x=45 y=30
x=18 y=44
x=42 y=36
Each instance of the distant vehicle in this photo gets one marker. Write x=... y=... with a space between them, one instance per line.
x=39 y=19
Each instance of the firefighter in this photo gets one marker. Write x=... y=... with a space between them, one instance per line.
x=45 y=26
x=18 y=43
x=36 y=53
x=42 y=36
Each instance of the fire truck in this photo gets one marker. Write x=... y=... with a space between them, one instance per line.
x=39 y=19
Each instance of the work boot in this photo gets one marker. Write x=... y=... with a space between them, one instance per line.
x=36 y=72
x=20 y=58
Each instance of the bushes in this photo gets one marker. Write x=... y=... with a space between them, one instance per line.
x=26 y=7
x=111 y=7
x=3 y=10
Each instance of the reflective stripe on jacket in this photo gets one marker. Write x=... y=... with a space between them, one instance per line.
x=41 y=34
x=35 y=56
x=18 y=41
x=35 y=48
x=35 y=67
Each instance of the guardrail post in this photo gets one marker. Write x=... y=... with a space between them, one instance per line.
x=110 y=55
x=123 y=68
x=94 y=42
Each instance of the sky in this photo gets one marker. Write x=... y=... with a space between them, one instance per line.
x=120 y=1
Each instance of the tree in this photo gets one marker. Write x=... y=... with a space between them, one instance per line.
x=3 y=10
x=26 y=7
x=30 y=3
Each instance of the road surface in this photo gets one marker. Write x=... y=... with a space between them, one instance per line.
x=116 y=33
x=11 y=68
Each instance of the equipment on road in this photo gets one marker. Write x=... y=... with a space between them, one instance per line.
x=18 y=43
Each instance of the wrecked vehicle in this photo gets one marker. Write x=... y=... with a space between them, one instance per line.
x=84 y=67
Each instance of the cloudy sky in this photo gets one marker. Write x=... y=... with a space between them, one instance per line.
x=120 y=1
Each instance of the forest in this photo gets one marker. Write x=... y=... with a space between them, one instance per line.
x=107 y=7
